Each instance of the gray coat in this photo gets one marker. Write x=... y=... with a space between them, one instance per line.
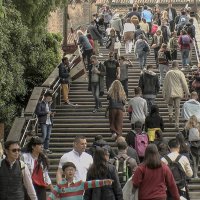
x=116 y=23
x=94 y=32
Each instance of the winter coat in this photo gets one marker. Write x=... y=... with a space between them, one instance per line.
x=101 y=68
x=116 y=23
x=113 y=192
x=175 y=85
x=94 y=32
x=140 y=45
x=149 y=83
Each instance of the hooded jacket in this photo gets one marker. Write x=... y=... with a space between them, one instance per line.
x=149 y=83
x=116 y=23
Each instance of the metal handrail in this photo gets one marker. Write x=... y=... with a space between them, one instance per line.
x=196 y=49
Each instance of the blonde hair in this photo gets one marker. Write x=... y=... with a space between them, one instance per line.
x=164 y=15
x=192 y=123
x=116 y=91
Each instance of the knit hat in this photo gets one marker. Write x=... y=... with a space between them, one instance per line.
x=193 y=135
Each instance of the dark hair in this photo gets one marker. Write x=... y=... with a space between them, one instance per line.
x=152 y=157
x=162 y=149
x=173 y=143
x=48 y=94
x=149 y=67
x=137 y=90
x=98 y=137
x=138 y=124
x=64 y=58
x=68 y=164
x=159 y=135
x=144 y=20
x=42 y=158
x=122 y=58
x=122 y=145
x=145 y=7
x=138 y=26
x=181 y=140
x=98 y=169
x=184 y=32
x=134 y=8
x=191 y=20
x=8 y=143
x=154 y=110
x=78 y=138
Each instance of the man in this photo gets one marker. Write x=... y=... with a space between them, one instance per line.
x=112 y=70
x=79 y=157
x=64 y=70
x=14 y=174
x=96 y=81
x=183 y=161
x=44 y=114
x=132 y=13
x=172 y=15
x=116 y=23
x=131 y=152
x=185 y=42
x=175 y=85
x=149 y=83
x=191 y=107
x=96 y=36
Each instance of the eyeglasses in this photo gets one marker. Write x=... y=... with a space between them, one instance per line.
x=15 y=150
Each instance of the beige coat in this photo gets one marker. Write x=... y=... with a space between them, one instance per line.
x=175 y=85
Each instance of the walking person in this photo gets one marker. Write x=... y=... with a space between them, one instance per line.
x=128 y=34
x=141 y=50
x=163 y=61
x=38 y=165
x=153 y=169
x=96 y=81
x=174 y=88
x=14 y=174
x=116 y=24
x=150 y=86
x=124 y=65
x=45 y=119
x=173 y=45
x=117 y=101
x=137 y=107
x=112 y=70
x=64 y=75
x=171 y=16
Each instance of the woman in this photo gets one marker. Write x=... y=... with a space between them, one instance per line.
x=128 y=31
x=153 y=122
x=113 y=39
x=141 y=50
x=85 y=45
x=117 y=101
x=144 y=26
x=153 y=169
x=101 y=169
x=38 y=165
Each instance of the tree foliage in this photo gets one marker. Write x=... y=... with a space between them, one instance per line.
x=24 y=61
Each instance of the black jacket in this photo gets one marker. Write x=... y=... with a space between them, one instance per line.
x=174 y=13
x=41 y=113
x=131 y=14
x=64 y=73
x=113 y=192
x=149 y=83
x=154 y=121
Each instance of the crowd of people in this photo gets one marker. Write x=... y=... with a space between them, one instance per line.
x=143 y=162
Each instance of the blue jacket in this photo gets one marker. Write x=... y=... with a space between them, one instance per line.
x=146 y=14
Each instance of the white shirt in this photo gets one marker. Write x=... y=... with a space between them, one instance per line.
x=82 y=163
x=48 y=116
x=128 y=27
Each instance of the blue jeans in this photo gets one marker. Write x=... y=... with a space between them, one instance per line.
x=46 y=132
x=150 y=102
x=95 y=92
x=185 y=56
x=142 y=59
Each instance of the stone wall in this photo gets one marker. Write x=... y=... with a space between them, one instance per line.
x=80 y=15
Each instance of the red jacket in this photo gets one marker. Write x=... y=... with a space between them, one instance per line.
x=153 y=183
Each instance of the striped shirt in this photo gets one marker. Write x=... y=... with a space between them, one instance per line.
x=73 y=191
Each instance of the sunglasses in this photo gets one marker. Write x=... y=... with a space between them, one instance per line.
x=15 y=150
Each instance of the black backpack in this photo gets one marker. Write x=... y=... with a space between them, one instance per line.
x=177 y=171
x=123 y=169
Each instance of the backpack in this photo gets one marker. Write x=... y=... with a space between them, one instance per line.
x=185 y=39
x=162 y=58
x=177 y=171
x=123 y=169
x=141 y=143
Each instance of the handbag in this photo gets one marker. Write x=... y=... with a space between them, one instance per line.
x=117 y=45
x=128 y=191
x=196 y=84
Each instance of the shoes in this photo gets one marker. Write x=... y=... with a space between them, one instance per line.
x=47 y=151
x=95 y=110
x=67 y=103
x=183 y=69
x=170 y=119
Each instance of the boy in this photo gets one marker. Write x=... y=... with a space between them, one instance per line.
x=68 y=188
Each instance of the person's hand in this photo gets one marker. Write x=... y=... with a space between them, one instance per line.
x=108 y=181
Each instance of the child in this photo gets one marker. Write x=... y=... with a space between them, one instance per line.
x=173 y=44
x=69 y=189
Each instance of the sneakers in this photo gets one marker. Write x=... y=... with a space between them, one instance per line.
x=95 y=110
